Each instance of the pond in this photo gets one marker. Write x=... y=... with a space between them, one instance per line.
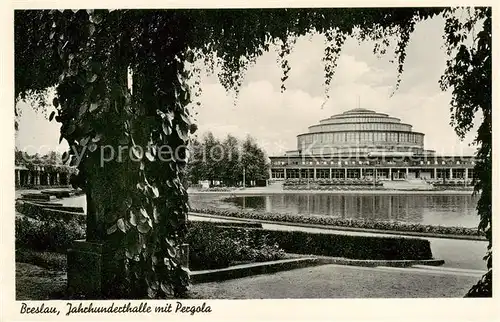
x=428 y=209
x=444 y=210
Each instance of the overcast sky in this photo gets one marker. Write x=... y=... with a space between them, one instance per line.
x=275 y=118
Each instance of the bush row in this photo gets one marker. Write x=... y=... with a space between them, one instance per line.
x=351 y=223
x=51 y=212
x=216 y=246
x=46 y=235
x=49 y=260
x=338 y=187
x=348 y=246
x=210 y=246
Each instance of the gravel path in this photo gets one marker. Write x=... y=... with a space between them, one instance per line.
x=335 y=281
x=37 y=283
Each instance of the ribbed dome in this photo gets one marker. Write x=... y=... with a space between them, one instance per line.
x=360 y=130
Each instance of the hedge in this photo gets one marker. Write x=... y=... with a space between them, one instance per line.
x=334 y=245
x=212 y=246
x=51 y=212
x=51 y=235
x=339 y=222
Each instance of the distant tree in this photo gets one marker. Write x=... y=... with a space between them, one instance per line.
x=195 y=168
x=213 y=156
x=231 y=167
x=254 y=161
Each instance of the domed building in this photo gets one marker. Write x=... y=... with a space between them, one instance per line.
x=360 y=132
x=361 y=143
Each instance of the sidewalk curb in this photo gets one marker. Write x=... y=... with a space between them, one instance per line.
x=375 y=263
x=245 y=270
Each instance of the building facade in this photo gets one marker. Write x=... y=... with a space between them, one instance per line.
x=33 y=175
x=363 y=144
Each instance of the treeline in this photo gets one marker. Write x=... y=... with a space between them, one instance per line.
x=227 y=161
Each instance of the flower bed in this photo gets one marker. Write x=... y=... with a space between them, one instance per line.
x=351 y=223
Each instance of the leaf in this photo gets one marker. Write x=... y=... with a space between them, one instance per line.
x=167 y=288
x=128 y=202
x=71 y=129
x=97 y=138
x=52 y=115
x=144 y=213
x=84 y=141
x=112 y=229
x=156 y=215
x=185 y=118
x=166 y=128
x=149 y=156
x=133 y=218
x=172 y=252
x=83 y=109
x=121 y=225
x=143 y=228
x=170 y=242
x=137 y=152
x=93 y=107
x=155 y=191
x=183 y=135
x=170 y=116
x=93 y=78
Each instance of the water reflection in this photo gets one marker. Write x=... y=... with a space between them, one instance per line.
x=446 y=210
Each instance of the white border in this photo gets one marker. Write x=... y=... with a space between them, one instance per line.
x=267 y=310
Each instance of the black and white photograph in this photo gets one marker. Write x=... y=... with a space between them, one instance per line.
x=172 y=157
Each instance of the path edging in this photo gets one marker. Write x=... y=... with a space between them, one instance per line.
x=245 y=270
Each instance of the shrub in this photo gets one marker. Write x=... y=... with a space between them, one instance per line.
x=347 y=246
x=49 y=260
x=212 y=246
x=53 y=235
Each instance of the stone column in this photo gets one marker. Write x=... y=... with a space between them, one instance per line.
x=18 y=178
x=284 y=172
x=314 y=174
x=390 y=174
x=466 y=174
x=451 y=173
x=435 y=173
x=48 y=179
x=345 y=173
x=330 y=176
x=360 y=173
x=37 y=178
x=406 y=174
x=300 y=173
x=28 y=178
x=58 y=179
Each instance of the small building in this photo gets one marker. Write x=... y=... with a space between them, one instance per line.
x=363 y=144
x=31 y=175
